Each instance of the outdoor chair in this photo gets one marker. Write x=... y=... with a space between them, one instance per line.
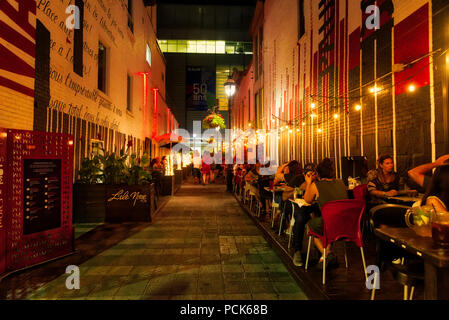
x=407 y=273
x=341 y=222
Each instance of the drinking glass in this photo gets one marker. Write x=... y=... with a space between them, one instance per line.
x=440 y=229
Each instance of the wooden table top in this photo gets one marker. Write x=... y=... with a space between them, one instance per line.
x=406 y=198
x=423 y=247
x=276 y=189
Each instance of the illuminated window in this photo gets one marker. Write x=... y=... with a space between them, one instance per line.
x=230 y=48
x=148 y=55
x=191 y=46
x=201 y=46
x=220 y=47
x=172 y=45
x=163 y=44
x=182 y=46
x=210 y=47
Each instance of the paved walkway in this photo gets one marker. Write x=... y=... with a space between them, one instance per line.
x=200 y=246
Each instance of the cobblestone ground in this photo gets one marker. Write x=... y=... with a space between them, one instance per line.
x=202 y=245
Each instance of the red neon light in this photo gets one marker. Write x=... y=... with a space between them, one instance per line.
x=155 y=124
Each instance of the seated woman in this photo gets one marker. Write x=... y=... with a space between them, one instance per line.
x=386 y=183
x=437 y=194
x=326 y=189
x=251 y=178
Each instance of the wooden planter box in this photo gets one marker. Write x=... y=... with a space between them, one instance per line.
x=168 y=185
x=178 y=177
x=129 y=203
x=89 y=203
x=113 y=203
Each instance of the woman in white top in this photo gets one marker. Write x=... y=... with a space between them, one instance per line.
x=437 y=194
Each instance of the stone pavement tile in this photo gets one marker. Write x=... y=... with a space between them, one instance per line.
x=210 y=297
x=210 y=268
x=98 y=270
x=184 y=287
x=293 y=296
x=255 y=267
x=165 y=270
x=159 y=287
x=156 y=297
x=101 y=292
x=127 y=298
x=132 y=288
x=120 y=270
x=142 y=270
x=252 y=259
x=236 y=287
x=261 y=287
x=257 y=276
x=232 y=268
x=183 y=297
x=276 y=267
x=280 y=276
x=265 y=296
x=237 y=296
x=210 y=287
x=286 y=287
x=191 y=251
x=234 y=276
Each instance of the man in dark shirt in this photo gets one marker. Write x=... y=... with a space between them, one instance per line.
x=418 y=174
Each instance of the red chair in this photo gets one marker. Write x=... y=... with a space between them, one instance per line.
x=360 y=192
x=341 y=222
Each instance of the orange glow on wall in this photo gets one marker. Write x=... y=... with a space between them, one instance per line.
x=144 y=102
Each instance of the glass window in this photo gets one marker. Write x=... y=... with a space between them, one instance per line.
x=191 y=46
x=230 y=48
x=201 y=46
x=182 y=46
x=210 y=47
x=172 y=45
x=148 y=55
x=220 y=47
x=163 y=44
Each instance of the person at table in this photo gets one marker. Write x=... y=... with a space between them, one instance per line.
x=420 y=173
x=294 y=179
x=205 y=167
x=326 y=188
x=386 y=183
x=251 y=178
x=437 y=194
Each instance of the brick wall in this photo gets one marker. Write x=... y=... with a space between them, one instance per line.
x=337 y=68
x=51 y=96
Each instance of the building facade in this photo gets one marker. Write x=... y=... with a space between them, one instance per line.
x=94 y=70
x=336 y=84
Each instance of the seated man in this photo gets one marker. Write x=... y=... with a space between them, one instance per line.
x=418 y=174
x=326 y=189
x=251 y=179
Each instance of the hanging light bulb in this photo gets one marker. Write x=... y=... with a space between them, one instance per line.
x=297 y=130
x=313 y=115
x=312 y=105
x=303 y=123
x=290 y=131
x=319 y=130
x=411 y=88
x=336 y=115
x=358 y=107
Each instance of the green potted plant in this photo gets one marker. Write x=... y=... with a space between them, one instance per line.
x=114 y=188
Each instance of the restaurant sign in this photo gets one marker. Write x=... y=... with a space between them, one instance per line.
x=129 y=203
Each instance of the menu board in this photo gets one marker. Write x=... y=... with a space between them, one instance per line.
x=42 y=195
